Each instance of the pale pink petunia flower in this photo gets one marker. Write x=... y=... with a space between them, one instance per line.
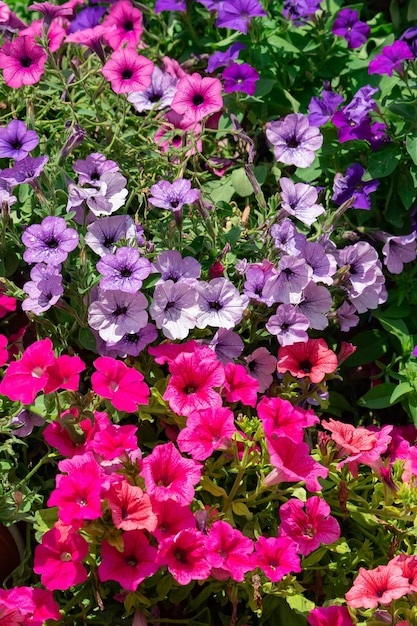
x=197 y=97
x=377 y=586
x=308 y=524
x=292 y=463
x=132 y=565
x=170 y=476
x=127 y=71
x=228 y=552
x=276 y=557
x=122 y=385
x=206 y=431
x=184 y=555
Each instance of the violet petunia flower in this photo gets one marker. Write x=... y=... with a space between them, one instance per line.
x=173 y=196
x=117 y=313
x=221 y=59
x=261 y=365
x=294 y=140
x=348 y=25
x=256 y=276
x=300 y=11
x=320 y=110
x=227 y=345
x=104 y=233
x=240 y=77
x=132 y=344
x=91 y=168
x=288 y=325
x=44 y=289
x=175 y=308
x=397 y=250
x=110 y=195
x=299 y=200
x=346 y=317
x=87 y=18
x=16 y=141
x=236 y=14
x=170 y=5
x=287 y=286
x=410 y=38
x=158 y=95
x=221 y=304
x=25 y=171
x=287 y=238
x=323 y=265
x=316 y=300
x=125 y=270
x=172 y=266
x=49 y=242
x=391 y=59
x=352 y=186
x=24 y=422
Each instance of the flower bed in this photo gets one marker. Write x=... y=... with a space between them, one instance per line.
x=209 y=388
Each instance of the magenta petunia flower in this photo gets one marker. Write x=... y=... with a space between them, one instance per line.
x=58 y=558
x=239 y=386
x=185 y=556
x=130 y=566
x=294 y=140
x=292 y=463
x=308 y=524
x=240 y=77
x=35 y=606
x=330 y=616
x=281 y=419
x=171 y=519
x=24 y=378
x=276 y=557
x=123 y=25
x=197 y=97
x=22 y=62
x=127 y=71
x=90 y=37
x=170 y=476
x=122 y=385
x=228 y=552
x=64 y=373
x=113 y=441
x=206 y=431
x=391 y=59
x=16 y=141
x=381 y=585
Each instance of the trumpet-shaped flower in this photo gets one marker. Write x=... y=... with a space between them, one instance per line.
x=130 y=566
x=206 y=431
x=122 y=385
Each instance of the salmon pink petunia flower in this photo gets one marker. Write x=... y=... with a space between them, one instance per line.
x=130 y=567
x=311 y=359
x=22 y=62
x=127 y=71
x=197 y=97
x=377 y=586
x=24 y=378
x=206 y=431
x=171 y=519
x=122 y=385
x=185 y=556
x=276 y=557
x=130 y=507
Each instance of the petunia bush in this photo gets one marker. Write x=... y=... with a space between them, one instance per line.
x=207 y=292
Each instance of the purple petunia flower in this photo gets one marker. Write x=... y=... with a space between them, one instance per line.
x=300 y=11
x=25 y=171
x=256 y=276
x=261 y=365
x=90 y=170
x=110 y=196
x=170 y=5
x=316 y=300
x=175 y=308
x=287 y=238
x=294 y=140
x=363 y=277
x=323 y=265
x=125 y=270
x=132 y=344
x=16 y=141
x=173 y=196
x=172 y=266
x=240 y=77
x=288 y=325
x=117 y=313
x=158 y=95
x=236 y=14
x=320 y=110
x=227 y=345
x=104 y=233
x=24 y=422
x=221 y=304
x=287 y=286
x=391 y=59
x=352 y=186
x=49 y=242
x=410 y=38
x=87 y=18
x=299 y=200
x=346 y=317
x=44 y=290
x=221 y=59
x=397 y=250
x=348 y=25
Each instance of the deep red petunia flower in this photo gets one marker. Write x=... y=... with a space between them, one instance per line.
x=311 y=359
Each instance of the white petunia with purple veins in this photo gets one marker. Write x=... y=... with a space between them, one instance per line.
x=221 y=304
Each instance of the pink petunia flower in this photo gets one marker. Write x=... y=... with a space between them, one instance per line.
x=293 y=463
x=228 y=552
x=113 y=441
x=408 y=565
x=127 y=71
x=24 y=378
x=64 y=373
x=35 y=605
x=124 y=26
x=58 y=558
x=197 y=97
x=4 y=354
x=56 y=32
x=184 y=555
x=122 y=385
x=276 y=557
x=130 y=567
x=281 y=419
x=171 y=518
x=22 y=62
x=377 y=586
x=130 y=507
x=57 y=433
x=206 y=431
x=330 y=616
x=194 y=377
x=308 y=524
x=7 y=304
x=169 y=476
x=239 y=386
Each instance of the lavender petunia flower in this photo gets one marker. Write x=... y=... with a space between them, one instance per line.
x=104 y=233
x=397 y=250
x=170 y=5
x=49 y=242
x=117 y=313
x=261 y=365
x=316 y=300
x=124 y=271
x=158 y=95
x=24 y=422
x=172 y=266
x=346 y=317
x=299 y=200
x=352 y=186
x=173 y=196
x=294 y=140
x=240 y=77
x=323 y=265
x=111 y=194
x=221 y=59
x=175 y=308
x=361 y=104
x=348 y=25
x=300 y=11
x=76 y=136
x=221 y=304
x=132 y=344
x=287 y=286
x=320 y=110
x=359 y=263
x=227 y=345
x=44 y=290
x=256 y=276
x=287 y=238
x=236 y=14
x=25 y=171
x=90 y=170
x=288 y=325
x=16 y=141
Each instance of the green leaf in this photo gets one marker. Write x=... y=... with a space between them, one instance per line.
x=399 y=329
x=411 y=146
x=241 y=183
x=382 y=163
x=314 y=557
x=406 y=189
x=300 y=603
x=378 y=397
x=400 y=390
x=239 y=508
x=370 y=345
x=215 y=490
x=283 y=44
x=87 y=339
